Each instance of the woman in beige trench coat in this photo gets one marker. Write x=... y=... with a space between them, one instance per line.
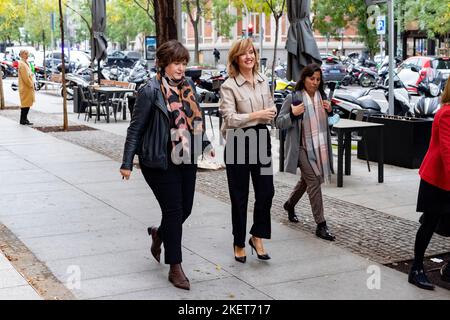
x=26 y=87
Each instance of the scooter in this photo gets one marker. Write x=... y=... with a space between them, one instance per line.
x=139 y=74
x=8 y=70
x=73 y=80
x=429 y=102
x=344 y=104
x=368 y=77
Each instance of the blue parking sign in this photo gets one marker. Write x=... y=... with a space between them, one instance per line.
x=381 y=25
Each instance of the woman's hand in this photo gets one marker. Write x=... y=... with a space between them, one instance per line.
x=125 y=173
x=265 y=115
x=298 y=109
x=327 y=105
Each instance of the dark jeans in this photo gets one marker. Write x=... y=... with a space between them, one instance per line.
x=238 y=176
x=174 y=189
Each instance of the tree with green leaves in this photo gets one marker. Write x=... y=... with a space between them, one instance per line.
x=433 y=16
x=82 y=9
x=146 y=5
x=330 y=16
x=277 y=7
x=126 y=20
x=223 y=19
x=10 y=21
x=195 y=10
x=38 y=28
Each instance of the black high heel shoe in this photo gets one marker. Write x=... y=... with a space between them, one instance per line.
x=239 y=259
x=260 y=256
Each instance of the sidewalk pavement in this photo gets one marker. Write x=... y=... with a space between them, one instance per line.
x=69 y=207
x=13 y=286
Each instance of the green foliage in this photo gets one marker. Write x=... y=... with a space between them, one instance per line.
x=223 y=19
x=330 y=16
x=126 y=20
x=10 y=20
x=433 y=15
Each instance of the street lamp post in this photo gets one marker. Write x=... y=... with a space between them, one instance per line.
x=390 y=4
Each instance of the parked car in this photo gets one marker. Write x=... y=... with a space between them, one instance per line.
x=434 y=66
x=123 y=59
x=53 y=59
x=332 y=69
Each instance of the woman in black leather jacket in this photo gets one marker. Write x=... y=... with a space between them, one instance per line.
x=166 y=132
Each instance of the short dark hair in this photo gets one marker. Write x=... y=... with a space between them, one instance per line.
x=171 y=51
x=308 y=71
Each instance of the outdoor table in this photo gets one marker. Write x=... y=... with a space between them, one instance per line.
x=344 y=128
x=211 y=107
x=110 y=91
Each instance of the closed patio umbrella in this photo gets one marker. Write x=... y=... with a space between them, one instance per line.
x=301 y=45
x=99 y=45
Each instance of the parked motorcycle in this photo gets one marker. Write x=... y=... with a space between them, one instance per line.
x=429 y=102
x=8 y=70
x=140 y=74
x=74 y=80
x=383 y=70
x=343 y=104
x=368 y=77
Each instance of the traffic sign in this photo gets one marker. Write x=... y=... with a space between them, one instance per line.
x=381 y=25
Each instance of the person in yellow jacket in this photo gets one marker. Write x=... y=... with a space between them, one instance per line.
x=26 y=87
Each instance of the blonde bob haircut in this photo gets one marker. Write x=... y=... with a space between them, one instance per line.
x=21 y=52
x=239 y=48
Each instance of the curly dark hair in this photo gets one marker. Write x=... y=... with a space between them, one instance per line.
x=308 y=71
x=171 y=51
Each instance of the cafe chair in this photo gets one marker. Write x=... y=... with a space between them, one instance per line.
x=95 y=105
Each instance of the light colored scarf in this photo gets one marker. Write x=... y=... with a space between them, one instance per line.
x=315 y=123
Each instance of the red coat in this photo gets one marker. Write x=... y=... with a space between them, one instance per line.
x=435 y=168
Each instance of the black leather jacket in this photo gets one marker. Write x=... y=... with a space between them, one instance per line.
x=149 y=130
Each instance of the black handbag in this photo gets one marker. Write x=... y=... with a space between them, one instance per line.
x=443 y=226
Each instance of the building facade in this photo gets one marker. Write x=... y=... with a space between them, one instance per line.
x=264 y=27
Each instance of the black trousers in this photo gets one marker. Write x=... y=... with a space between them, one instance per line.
x=24 y=115
x=174 y=189
x=238 y=175
x=424 y=235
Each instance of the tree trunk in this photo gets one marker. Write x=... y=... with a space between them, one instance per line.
x=196 y=52
x=63 y=71
x=165 y=20
x=277 y=20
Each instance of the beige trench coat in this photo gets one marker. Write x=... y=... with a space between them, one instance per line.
x=26 y=85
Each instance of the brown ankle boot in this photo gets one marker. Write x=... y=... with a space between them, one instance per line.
x=178 y=278
x=156 y=243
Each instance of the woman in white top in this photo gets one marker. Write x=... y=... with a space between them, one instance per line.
x=247 y=107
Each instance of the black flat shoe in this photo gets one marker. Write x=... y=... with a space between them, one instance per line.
x=419 y=279
x=291 y=214
x=260 y=256
x=324 y=233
